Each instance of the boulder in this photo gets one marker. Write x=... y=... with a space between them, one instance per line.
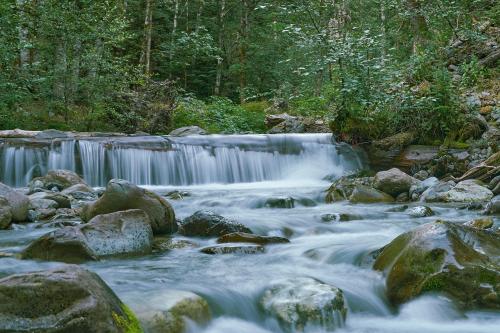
x=66 y=299
x=188 y=130
x=60 y=179
x=37 y=204
x=62 y=200
x=393 y=182
x=78 y=188
x=365 y=194
x=233 y=248
x=289 y=125
x=300 y=302
x=460 y=262
x=5 y=214
x=116 y=234
x=493 y=206
x=342 y=188
x=273 y=120
x=242 y=237
x=468 y=191
x=339 y=217
x=282 y=202
x=18 y=202
x=420 y=211
x=170 y=312
x=480 y=223
x=436 y=193
x=122 y=195
x=417 y=189
x=163 y=244
x=205 y=223
x=36 y=215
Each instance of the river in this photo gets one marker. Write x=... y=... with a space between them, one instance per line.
x=234 y=176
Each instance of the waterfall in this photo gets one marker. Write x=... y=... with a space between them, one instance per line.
x=159 y=160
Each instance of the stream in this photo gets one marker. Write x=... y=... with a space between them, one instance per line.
x=234 y=176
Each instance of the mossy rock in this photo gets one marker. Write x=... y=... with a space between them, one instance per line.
x=460 y=262
x=365 y=194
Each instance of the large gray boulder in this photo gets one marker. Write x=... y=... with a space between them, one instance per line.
x=206 y=223
x=60 y=179
x=188 y=130
x=170 y=311
x=365 y=194
x=468 y=191
x=66 y=300
x=122 y=195
x=116 y=234
x=393 y=182
x=61 y=199
x=458 y=261
x=299 y=302
x=5 y=213
x=493 y=206
x=18 y=202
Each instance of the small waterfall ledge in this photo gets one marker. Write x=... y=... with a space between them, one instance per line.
x=165 y=160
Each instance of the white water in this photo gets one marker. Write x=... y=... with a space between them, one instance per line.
x=180 y=161
x=331 y=252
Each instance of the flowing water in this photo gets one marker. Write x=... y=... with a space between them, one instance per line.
x=234 y=176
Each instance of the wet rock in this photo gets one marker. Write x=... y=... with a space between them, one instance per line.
x=421 y=175
x=468 y=191
x=443 y=257
x=403 y=197
x=62 y=200
x=77 y=188
x=35 y=215
x=163 y=244
x=416 y=190
x=342 y=188
x=18 y=203
x=493 y=206
x=393 y=182
x=365 y=194
x=233 y=248
x=171 y=310
x=67 y=299
x=5 y=214
x=340 y=217
x=205 y=223
x=116 y=234
x=187 y=131
x=241 y=237
x=420 y=211
x=80 y=192
x=51 y=134
x=300 y=302
x=60 y=179
x=436 y=192
x=288 y=125
x=38 y=204
x=177 y=195
x=122 y=195
x=287 y=202
x=397 y=209
x=480 y=223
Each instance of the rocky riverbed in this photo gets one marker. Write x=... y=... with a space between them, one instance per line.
x=386 y=252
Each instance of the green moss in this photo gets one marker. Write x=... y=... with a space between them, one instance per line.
x=130 y=323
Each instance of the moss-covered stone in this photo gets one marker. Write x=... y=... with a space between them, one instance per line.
x=458 y=261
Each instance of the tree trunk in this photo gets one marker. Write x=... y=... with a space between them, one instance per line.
x=218 y=75
x=243 y=49
x=148 y=29
x=198 y=15
x=419 y=25
x=22 y=35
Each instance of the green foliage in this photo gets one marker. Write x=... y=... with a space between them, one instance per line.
x=128 y=323
x=472 y=73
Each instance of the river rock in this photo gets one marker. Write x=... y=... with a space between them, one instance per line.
x=188 y=130
x=468 y=191
x=80 y=192
x=233 y=248
x=342 y=188
x=122 y=195
x=60 y=179
x=242 y=237
x=170 y=311
x=493 y=206
x=417 y=189
x=299 y=302
x=480 y=223
x=461 y=262
x=283 y=202
x=339 y=217
x=18 y=203
x=66 y=299
x=5 y=214
x=163 y=244
x=420 y=211
x=393 y=182
x=37 y=204
x=62 y=200
x=36 y=215
x=436 y=193
x=206 y=223
x=116 y=234
x=365 y=194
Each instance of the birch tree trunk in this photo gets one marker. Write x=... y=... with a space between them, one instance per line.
x=22 y=35
x=218 y=75
x=148 y=28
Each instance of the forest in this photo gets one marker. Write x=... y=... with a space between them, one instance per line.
x=369 y=68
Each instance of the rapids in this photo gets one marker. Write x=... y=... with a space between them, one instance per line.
x=240 y=174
